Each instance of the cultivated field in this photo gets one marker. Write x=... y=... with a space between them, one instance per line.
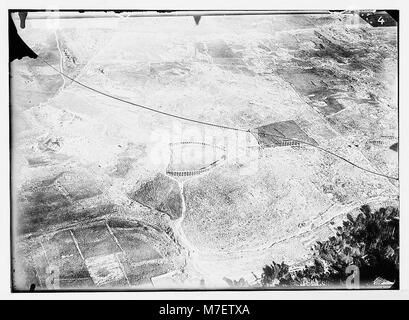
x=93 y=194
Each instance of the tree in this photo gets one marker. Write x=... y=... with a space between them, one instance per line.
x=370 y=242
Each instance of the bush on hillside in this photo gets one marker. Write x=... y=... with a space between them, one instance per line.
x=370 y=242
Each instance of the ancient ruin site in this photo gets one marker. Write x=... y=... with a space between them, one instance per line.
x=247 y=139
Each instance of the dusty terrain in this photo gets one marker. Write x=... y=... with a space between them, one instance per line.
x=91 y=195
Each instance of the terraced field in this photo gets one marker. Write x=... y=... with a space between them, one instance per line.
x=96 y=203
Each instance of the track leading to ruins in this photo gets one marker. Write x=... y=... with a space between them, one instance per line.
x=212 y=124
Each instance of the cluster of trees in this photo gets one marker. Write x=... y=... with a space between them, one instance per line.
x=369 y=242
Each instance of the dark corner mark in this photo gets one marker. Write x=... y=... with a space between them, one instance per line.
x=394 y=14
x=17 y=47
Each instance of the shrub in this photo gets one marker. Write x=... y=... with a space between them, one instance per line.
x=370 y=241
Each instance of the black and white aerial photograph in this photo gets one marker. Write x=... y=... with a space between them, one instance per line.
x=208 y=150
